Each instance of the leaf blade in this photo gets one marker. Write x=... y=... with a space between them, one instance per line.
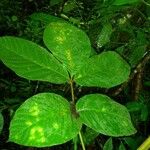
x=104 y=115
x=44 y=120
x=67 y=43
x=105 y=70
x=31 y=61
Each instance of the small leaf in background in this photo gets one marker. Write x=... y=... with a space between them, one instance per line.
x=104 y=115
x=69 y=6
x=134 y=106
x=68 y=44
x=55 y=2
x=14 y=18
x=44 y=120
x=30 y=60
x=104 y=36
x=1 y=122
x=121 y=146
x=107 y=69
x=136 y=55
x=147 y=83
x=125 y=2
x=144 y=113
x=133 y=142
x=108 y=145
x=89 y=135
x=44 y=18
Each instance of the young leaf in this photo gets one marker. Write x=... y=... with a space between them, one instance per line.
x=104 y=36
x=108 y=145
x=68 y=44
x=1 y=122
x=105 y=70
x=44 y=120
x=31 y=61
x=125 y=2
x=104 y=115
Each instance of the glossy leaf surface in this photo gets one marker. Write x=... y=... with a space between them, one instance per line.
x=104 y=115
x=68 y=43
x=31 y=61
x=44 y=120
x=107 y=69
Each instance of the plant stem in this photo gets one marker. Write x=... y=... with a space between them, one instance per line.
x=73 y=101
x=81 y=139
x=72 y=91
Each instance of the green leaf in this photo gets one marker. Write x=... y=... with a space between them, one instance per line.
x=105 y=70
x=147 y=83
x=44 y=120
x=69 y=6
x=104 y=115
x=125 y=2
x=68 y=44
x=30 y=60
x=108 y=145
x=104 y=36
x=134 y=106
x=144 y=113
x=44 y=18
x=1 y=122
x=55 y=2
x=121 y=146
x=89 y=135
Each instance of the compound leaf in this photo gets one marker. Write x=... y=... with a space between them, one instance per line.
x=31 y=61
x=44 y=120
x=105 y=70
x=68 y=44
x=104 y=115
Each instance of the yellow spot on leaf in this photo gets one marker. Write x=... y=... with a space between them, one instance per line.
x=60 y=39
x=34 y=111
x=28 y=123
x=43 y=140
x=37 y=133
x=69 y=57
x=55 y=125
x=103 y=109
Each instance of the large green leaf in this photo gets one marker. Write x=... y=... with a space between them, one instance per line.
x=104 y=115
x=105 y=70
x=1 y=122
x=68 y=43
x=31 y=61
x=124 y=2
x=44 y=120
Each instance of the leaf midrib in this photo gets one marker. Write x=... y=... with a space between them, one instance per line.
x=35 y=62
